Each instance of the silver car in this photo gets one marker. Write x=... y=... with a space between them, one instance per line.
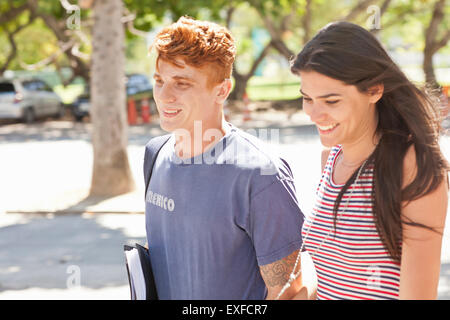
x=28 y=99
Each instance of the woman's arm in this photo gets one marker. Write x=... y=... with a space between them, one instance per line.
x=421 y=248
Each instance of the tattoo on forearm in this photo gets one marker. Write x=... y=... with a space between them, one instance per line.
x=277 y=273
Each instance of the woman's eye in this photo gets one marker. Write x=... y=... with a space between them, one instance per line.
x=307 y=100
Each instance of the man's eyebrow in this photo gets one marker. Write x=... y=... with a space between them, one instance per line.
x=183 y=78
x=324 y=96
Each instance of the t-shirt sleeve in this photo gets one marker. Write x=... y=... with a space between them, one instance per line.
x=275 y=220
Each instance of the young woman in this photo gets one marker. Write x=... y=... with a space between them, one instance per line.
x=376 y=230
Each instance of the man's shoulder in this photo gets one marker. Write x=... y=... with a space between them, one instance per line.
x=254 y=154
x=157 y=142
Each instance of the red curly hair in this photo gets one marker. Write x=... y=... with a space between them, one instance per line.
x=199 y=44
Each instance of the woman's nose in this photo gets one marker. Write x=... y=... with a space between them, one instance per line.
x=314 y=111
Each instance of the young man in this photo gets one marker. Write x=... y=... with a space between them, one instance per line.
x=222 y=218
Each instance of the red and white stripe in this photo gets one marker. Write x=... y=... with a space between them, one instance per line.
x=352 y=262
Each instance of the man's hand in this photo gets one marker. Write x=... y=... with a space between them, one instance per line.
x=276 y=274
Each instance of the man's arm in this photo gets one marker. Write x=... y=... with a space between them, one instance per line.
x=276 y=274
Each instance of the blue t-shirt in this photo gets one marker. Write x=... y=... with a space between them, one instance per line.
x=212 y=220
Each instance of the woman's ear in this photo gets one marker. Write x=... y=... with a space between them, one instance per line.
x=375 y=92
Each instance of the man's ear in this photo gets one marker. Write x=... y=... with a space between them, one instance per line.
x=375 y=92
x=223 y=91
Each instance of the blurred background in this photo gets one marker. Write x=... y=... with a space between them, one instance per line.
x=76 y=110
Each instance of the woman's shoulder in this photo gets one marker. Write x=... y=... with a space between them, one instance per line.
x=328 y=154
x=429 y=209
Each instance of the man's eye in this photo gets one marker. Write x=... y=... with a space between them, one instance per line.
x=307 y=100
x=158 y=82
x=183 y=84
x=332 y=102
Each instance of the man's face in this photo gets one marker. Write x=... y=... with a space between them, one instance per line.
x=183 y=95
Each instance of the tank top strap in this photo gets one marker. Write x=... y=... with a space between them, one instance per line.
x=329 y=165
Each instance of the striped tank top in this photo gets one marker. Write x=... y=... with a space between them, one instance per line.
x=351 y=263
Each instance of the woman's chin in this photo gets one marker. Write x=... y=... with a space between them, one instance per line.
x=327 y=142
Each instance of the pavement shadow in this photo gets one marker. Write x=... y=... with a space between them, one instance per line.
x=83 y=205
x=51 y=251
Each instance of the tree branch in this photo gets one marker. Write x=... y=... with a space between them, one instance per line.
x=50 y=59
x=358 y=9
x=13 y=44
x=306 y=21
x=275 y=35
x=229 y=15
x=384 y=6
x=431 y=31
x=259 y=59
x=12 y=54
x=12 y=13
x=445 y=39
x=79 y=67
x=400 y=17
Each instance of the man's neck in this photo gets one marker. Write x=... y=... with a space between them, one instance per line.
x=203 y=136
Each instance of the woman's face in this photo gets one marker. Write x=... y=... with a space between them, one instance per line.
x=342 y=114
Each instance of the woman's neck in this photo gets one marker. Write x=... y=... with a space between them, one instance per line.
x=354 y=153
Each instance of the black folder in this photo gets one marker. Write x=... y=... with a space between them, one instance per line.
x=144 y=259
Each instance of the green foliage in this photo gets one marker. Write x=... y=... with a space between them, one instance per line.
x=408 y=19
x=34 y=43
x=403 y=25
x=150 y=12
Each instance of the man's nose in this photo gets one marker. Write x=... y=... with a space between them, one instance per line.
x=165 y=94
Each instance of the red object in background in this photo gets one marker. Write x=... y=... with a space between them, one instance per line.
x=145 y=111
x=132 y=114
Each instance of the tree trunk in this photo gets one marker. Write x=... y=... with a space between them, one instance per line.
x=306 y=21
x=430 y=77
x=240 y=86
x=111 y=171
x=432 y=44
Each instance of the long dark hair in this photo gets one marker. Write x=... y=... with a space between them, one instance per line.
x=406 y=116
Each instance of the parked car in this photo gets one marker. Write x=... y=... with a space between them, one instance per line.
x=28 y=99
x=138 y=87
